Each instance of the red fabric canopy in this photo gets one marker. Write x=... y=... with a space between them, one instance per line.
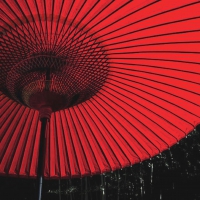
x=131 y=82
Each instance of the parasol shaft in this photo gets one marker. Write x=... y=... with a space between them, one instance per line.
x=41 y=155
x=40 y=188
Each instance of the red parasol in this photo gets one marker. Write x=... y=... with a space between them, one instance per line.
x=114 y=83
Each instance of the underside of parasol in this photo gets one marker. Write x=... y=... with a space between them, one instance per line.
x=120 y=79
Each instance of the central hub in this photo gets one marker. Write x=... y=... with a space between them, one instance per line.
x=58 y=70
x=55 y=82
x=46 y=102
x=50 y=99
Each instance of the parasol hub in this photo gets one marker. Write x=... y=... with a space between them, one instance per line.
x=45 y=112
x=49 y=80
x=46 y=102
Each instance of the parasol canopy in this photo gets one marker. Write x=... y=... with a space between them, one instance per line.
x=118 y=80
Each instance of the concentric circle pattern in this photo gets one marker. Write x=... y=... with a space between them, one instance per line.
x=52 y=60
x=128 y=73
